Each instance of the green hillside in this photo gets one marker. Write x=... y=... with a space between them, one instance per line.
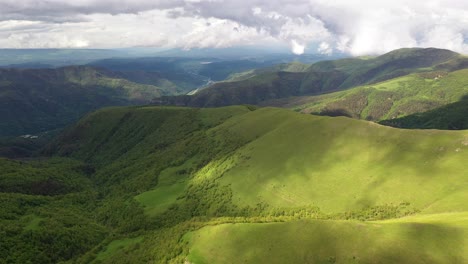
x=394 y=64
x=47 y=212
x=282 y=81
x=394 y=99
x=421 y=239
x=169 y=185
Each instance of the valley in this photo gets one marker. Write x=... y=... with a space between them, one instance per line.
x=226 y=179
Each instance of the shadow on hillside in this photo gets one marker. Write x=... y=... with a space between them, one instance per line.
x=453 y=116
x=334 y=112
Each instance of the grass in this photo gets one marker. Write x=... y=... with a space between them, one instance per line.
x=117 y=245
x=431 y=239
x=299 y=160
x=33 y=222
x=158 y=200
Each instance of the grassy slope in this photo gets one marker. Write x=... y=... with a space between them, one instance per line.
x=433 y=239
x=299 y=160
x=116 y=245
x=164 y=171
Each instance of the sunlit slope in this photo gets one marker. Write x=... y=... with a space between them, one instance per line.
x=277 y=157
x=434 y=239
x=174 y=170
x=343 y=164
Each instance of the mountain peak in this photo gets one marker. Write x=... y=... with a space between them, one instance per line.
x=443 y=54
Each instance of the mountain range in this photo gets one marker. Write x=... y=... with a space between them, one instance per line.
x=394 y=85
x=145 y=160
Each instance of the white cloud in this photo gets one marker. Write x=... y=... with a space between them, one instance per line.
x=297 y=48
x=324 y=48
x=355 y=26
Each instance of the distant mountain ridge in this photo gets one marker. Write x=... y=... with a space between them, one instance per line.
x=397 y=84
x=37 y=100
x=320 y=77
x=38 y=96
x=54 y=57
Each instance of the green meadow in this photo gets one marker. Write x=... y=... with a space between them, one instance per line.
x=300 y=160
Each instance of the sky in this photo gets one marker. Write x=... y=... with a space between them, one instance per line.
x=356 y=27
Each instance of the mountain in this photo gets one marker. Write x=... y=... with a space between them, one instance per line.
x=394 y=64
x=172 y=184
x=192 y=72
x=321 y=77
x=38 y=100
x=37 y=97
x=278 y=54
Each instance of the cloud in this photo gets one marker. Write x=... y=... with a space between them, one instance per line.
x=325 y=48
x=357 y=27
x=297 y=48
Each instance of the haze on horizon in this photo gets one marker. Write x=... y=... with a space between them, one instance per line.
x=357 y=27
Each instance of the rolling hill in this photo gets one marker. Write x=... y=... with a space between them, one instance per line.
x=318 y=241
x=319 y=78
x=437 y=93
x=240 y=184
